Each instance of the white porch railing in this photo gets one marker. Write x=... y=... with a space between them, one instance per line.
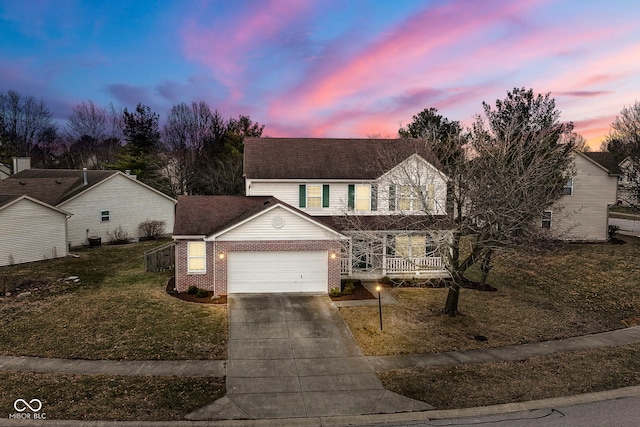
x=344 y=266
x=411 y=265
x=401 y=265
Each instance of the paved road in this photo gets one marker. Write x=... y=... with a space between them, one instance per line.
x=623 y=412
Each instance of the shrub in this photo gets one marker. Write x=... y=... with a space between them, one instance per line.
x=151 y=229
x=348 y=288
x=118 y=236
x=335 y=292
x=385 y=280
x=193 y=289
x=202 y=293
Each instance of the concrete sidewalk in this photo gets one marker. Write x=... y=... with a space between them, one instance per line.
x=218 y=368
x=509 y=353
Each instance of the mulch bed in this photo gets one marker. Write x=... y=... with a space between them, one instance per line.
x=359 y=292
x=171 y=290
x=206 y=300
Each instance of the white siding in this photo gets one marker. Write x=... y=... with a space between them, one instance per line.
x=413 y=172
x=584 y=215
x=129 y=203
x=31 y=232
x=277 y=224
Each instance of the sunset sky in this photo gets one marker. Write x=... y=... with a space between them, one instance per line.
x=326 y=68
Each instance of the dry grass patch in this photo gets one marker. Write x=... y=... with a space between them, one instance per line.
x=570 y=291
x=537 y=378
x=100 y=397
x=116 y=311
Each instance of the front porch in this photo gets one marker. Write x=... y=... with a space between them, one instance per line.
x=426 y=267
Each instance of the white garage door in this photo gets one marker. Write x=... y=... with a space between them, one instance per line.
x=256 y=272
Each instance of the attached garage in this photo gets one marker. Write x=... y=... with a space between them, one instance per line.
x=253 y=245
x=268 y=272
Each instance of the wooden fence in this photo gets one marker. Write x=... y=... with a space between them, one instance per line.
x=162 y=258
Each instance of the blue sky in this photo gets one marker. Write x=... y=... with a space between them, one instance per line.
x=325 y=68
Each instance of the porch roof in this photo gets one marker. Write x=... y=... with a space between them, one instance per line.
x=386 y=222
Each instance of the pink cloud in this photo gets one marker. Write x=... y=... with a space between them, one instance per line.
x=227 y=44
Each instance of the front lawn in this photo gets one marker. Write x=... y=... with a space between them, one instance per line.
x=115 y=311
x=563 y=374
x=109 y=397
x=574 y=290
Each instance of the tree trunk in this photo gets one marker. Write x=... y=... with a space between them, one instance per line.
x=451 y=306
x=485 y=267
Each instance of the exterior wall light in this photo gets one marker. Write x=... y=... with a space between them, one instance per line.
x=221 y=255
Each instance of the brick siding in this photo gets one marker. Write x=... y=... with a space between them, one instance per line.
x=215 y=278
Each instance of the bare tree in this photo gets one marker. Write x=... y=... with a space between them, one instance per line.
x=25 y=121
x=510 y=167
x=623 y=142
x=516 y=169
x=94 y=135
x=185 y=135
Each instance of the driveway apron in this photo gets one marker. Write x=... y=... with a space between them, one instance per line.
x=291 y=355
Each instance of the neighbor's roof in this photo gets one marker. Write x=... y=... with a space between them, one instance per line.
x=606 y=160
x=51 y=186
x=8 y=200
x=328 y=158
x=5 y=199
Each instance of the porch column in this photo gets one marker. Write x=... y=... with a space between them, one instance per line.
x=384 y=255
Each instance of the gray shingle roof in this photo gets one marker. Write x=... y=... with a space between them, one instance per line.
x=606 y=160
x=52 y=186
x=205 y=215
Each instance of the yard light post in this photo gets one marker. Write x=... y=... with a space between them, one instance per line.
x=378 y=288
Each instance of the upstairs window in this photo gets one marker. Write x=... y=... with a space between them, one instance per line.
x=568 y=188
x=314 y=196
x=546 y=219
x=105 y=216
x=407 y=198
x=363 y=197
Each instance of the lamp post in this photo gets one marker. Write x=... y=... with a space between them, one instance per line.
x=378 y=288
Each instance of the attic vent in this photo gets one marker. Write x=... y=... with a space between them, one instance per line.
x=22 y=183
x=267 y=202
x=58 y=181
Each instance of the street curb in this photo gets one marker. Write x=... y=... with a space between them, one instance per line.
x=338 y=421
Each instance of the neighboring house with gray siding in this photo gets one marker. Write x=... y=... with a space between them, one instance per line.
x=99 y=201
x=31 y=230
x=582 y=214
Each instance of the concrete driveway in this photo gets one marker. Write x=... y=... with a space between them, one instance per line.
x=292 y=355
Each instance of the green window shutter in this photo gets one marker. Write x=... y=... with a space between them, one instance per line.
x=325 y=196
x=303 y=196
x=374 y=197
x=351 y=195
x=392 y=197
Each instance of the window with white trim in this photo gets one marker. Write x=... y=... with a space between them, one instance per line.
x=196 y=257
x=546 y=219
x=413 y=246
x=105 y=216
x=314 y=196
x=363 y=197
x=568 y=188
x=407 y=198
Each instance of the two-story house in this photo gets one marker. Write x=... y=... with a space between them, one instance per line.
x=316 y=210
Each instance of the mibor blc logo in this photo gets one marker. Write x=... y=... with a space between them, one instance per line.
x=28 y=410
